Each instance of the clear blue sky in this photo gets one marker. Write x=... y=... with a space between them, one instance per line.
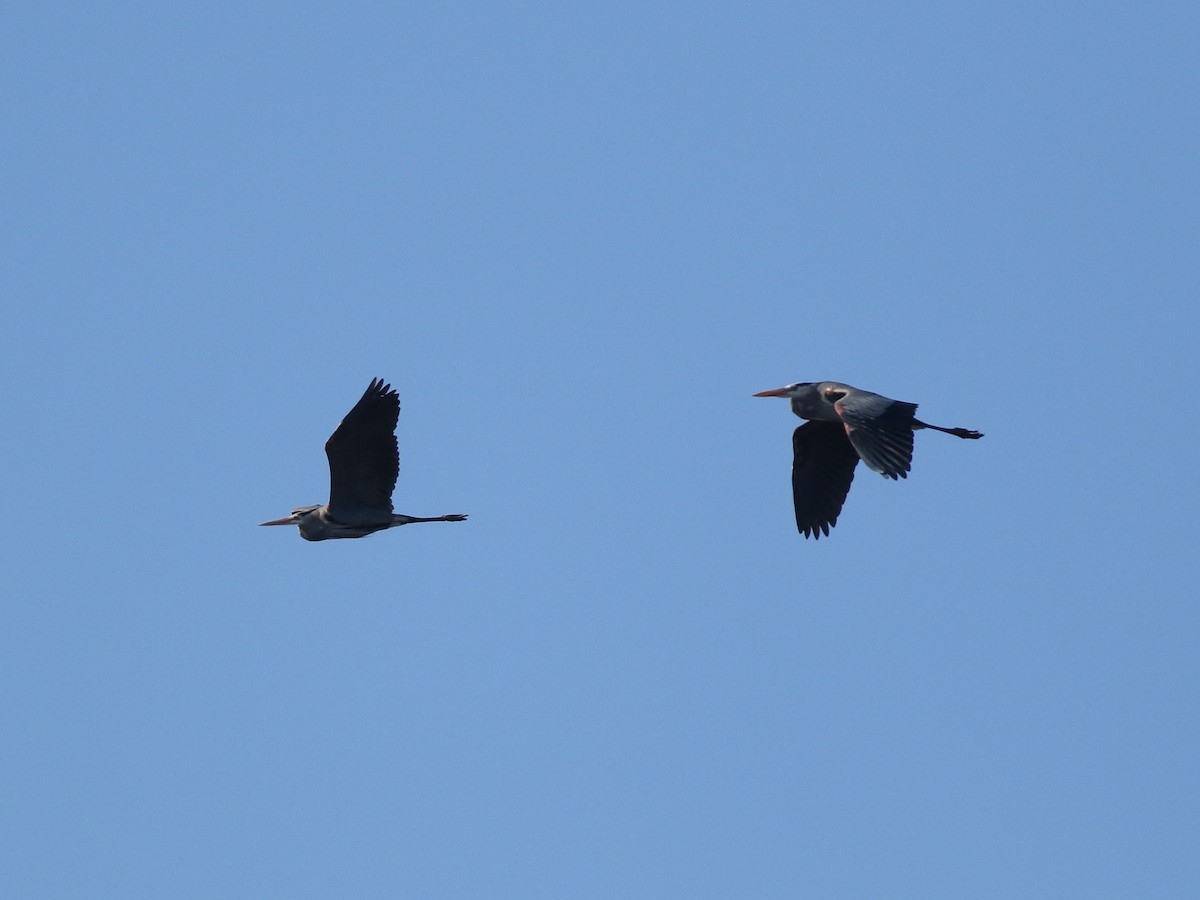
x=577 y=238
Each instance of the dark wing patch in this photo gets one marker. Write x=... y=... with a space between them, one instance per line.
x=363 y=458
x=823 y=464
x=882 y=437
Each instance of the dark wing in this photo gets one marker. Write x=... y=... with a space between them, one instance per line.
x=822 y=469
x=363 y=459
x=881 y=430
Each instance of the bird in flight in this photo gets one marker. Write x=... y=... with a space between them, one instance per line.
x=363 y=465
x=845 y=425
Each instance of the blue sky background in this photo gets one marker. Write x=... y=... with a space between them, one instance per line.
x=576 y=238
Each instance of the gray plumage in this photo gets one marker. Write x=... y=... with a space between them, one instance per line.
x=845 y=425
x=363 y=465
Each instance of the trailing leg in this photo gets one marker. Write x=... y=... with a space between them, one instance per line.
x=965 y=433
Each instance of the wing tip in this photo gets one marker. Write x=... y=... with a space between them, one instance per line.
x=380 y=387
x=814 y=530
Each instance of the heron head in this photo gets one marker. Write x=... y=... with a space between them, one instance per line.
x=791 y=390
x=294 y=519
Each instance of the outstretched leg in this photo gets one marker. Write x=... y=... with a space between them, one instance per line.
x=398 y=519
x=965 y=433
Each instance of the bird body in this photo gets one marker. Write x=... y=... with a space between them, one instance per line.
x=363 y=465
x=316 y=524
x=844 y=425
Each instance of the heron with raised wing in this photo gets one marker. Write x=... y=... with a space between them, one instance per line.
x=845 y=425
x=363 y=465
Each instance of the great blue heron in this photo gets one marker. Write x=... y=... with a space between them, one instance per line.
x=363 y=465
x=845 y=425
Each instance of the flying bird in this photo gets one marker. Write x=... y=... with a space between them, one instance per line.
x=845 y=425
x=363 y=465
